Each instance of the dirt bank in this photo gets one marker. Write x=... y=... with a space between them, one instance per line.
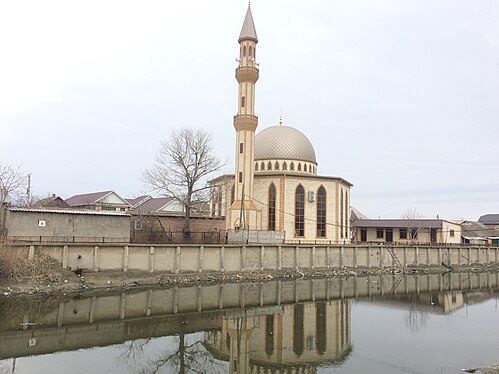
x=67 y=282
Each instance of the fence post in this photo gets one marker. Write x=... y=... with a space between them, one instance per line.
x=296 y=257
x=355 y=253
x=200 y=259
x=177 y=260
x=279 y=257
x=341 y=257
x=126 y=253
x=96 y=258
x=262 y=255
x=151 y=259
x=327 y=257
x=65 y=255
x=31 y=252
x=313 y=257
x=243 y=257
x=222 y=258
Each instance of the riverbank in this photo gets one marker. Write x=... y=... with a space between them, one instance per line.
x=67 y=282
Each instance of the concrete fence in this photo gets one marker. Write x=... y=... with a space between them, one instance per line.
x=225 y=258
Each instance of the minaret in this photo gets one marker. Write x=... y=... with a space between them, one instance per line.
x=245 y=122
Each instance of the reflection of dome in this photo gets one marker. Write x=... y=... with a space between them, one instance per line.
x=283 y=143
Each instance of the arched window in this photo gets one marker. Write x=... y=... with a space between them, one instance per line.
x=284 y=166
x=272 y=203
x=300 y=211
x=219 y=201
x=276 y=166
x=269 y=166
x=298 y=329
x=256 y=166
x=250 y=51
x=305 y=168
x=341 y=213
x=232 y=194
x=347 y=210
x=299 y=167
x=292 y=166
x=244 y=51
x=321 y=212
x=262 y=166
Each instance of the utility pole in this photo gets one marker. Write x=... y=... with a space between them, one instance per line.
x=28 y=191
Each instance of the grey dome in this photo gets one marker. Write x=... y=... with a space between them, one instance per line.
x=283 y=143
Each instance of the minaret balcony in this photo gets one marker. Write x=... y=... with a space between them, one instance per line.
x=245 y=122
x=247 y=74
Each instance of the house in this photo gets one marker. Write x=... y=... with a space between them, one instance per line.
x=66 y=225
x=161 y=220
x=490 y=220
x=407 y=231
x=105 y=200
x=53 y=201
x=479 y=234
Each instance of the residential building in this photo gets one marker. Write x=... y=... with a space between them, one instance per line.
x=479 y=234
x=105 y=200
x=407 y=231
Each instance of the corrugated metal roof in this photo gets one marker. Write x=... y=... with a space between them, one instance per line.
x=489 y=219
x=87 y=198
x=477 y=230
x=398 y=223
x=71 y=211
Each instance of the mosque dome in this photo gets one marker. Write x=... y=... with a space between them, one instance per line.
x=283 y=143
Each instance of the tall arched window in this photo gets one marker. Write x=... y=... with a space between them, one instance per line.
x=232 y=194
x=214 y=203
x=347 y=210
x=321 y=212
x=256 y=166
x=298 y=329
x=262 y=166
x=292 y=166
x=219 y=201
x=272 y=203
x=305 y=168
x=250 y=51
x=299 y=167
x=269 y=166
x=341 y=214
x=244 y=51
x=284 y=166
x=321 y=327
x=300 y=211
x=276 y=166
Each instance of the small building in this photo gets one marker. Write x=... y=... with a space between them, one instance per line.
x=105 y=200
x=479 y=234
x=66 y=225
x=53 y=201
x=490 y=220
x=406 y=231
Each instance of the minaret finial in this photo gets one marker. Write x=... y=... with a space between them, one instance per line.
x=280 y=118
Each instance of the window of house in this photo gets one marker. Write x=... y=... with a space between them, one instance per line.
x=403 y=233
x=272 y=205
x=363 y=235
x=138 y=225
x=451 y=233
x=414 y=233
x=321 y=212
x=379 y=233
x=300 y=211
x=341 y=214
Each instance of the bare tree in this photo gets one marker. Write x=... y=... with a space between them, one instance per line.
x=182 y=164
x=413 y=228
x=12 y=181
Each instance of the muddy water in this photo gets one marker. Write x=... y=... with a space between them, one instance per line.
x=416 y=324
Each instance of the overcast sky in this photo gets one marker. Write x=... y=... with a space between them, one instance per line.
x=401 y=98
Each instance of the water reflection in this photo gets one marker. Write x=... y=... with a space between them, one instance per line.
x=279 y=327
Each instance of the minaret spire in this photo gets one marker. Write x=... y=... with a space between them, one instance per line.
x=243 y=211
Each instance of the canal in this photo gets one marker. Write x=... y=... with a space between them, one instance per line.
x=427 y=323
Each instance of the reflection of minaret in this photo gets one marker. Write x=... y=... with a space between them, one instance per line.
x=243 y=211
x=291 y=338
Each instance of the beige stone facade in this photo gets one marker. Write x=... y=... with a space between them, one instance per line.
x=276 y=186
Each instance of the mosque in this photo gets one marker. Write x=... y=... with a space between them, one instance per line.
x=276 y=188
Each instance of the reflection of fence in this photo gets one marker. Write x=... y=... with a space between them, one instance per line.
x=67 y=239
